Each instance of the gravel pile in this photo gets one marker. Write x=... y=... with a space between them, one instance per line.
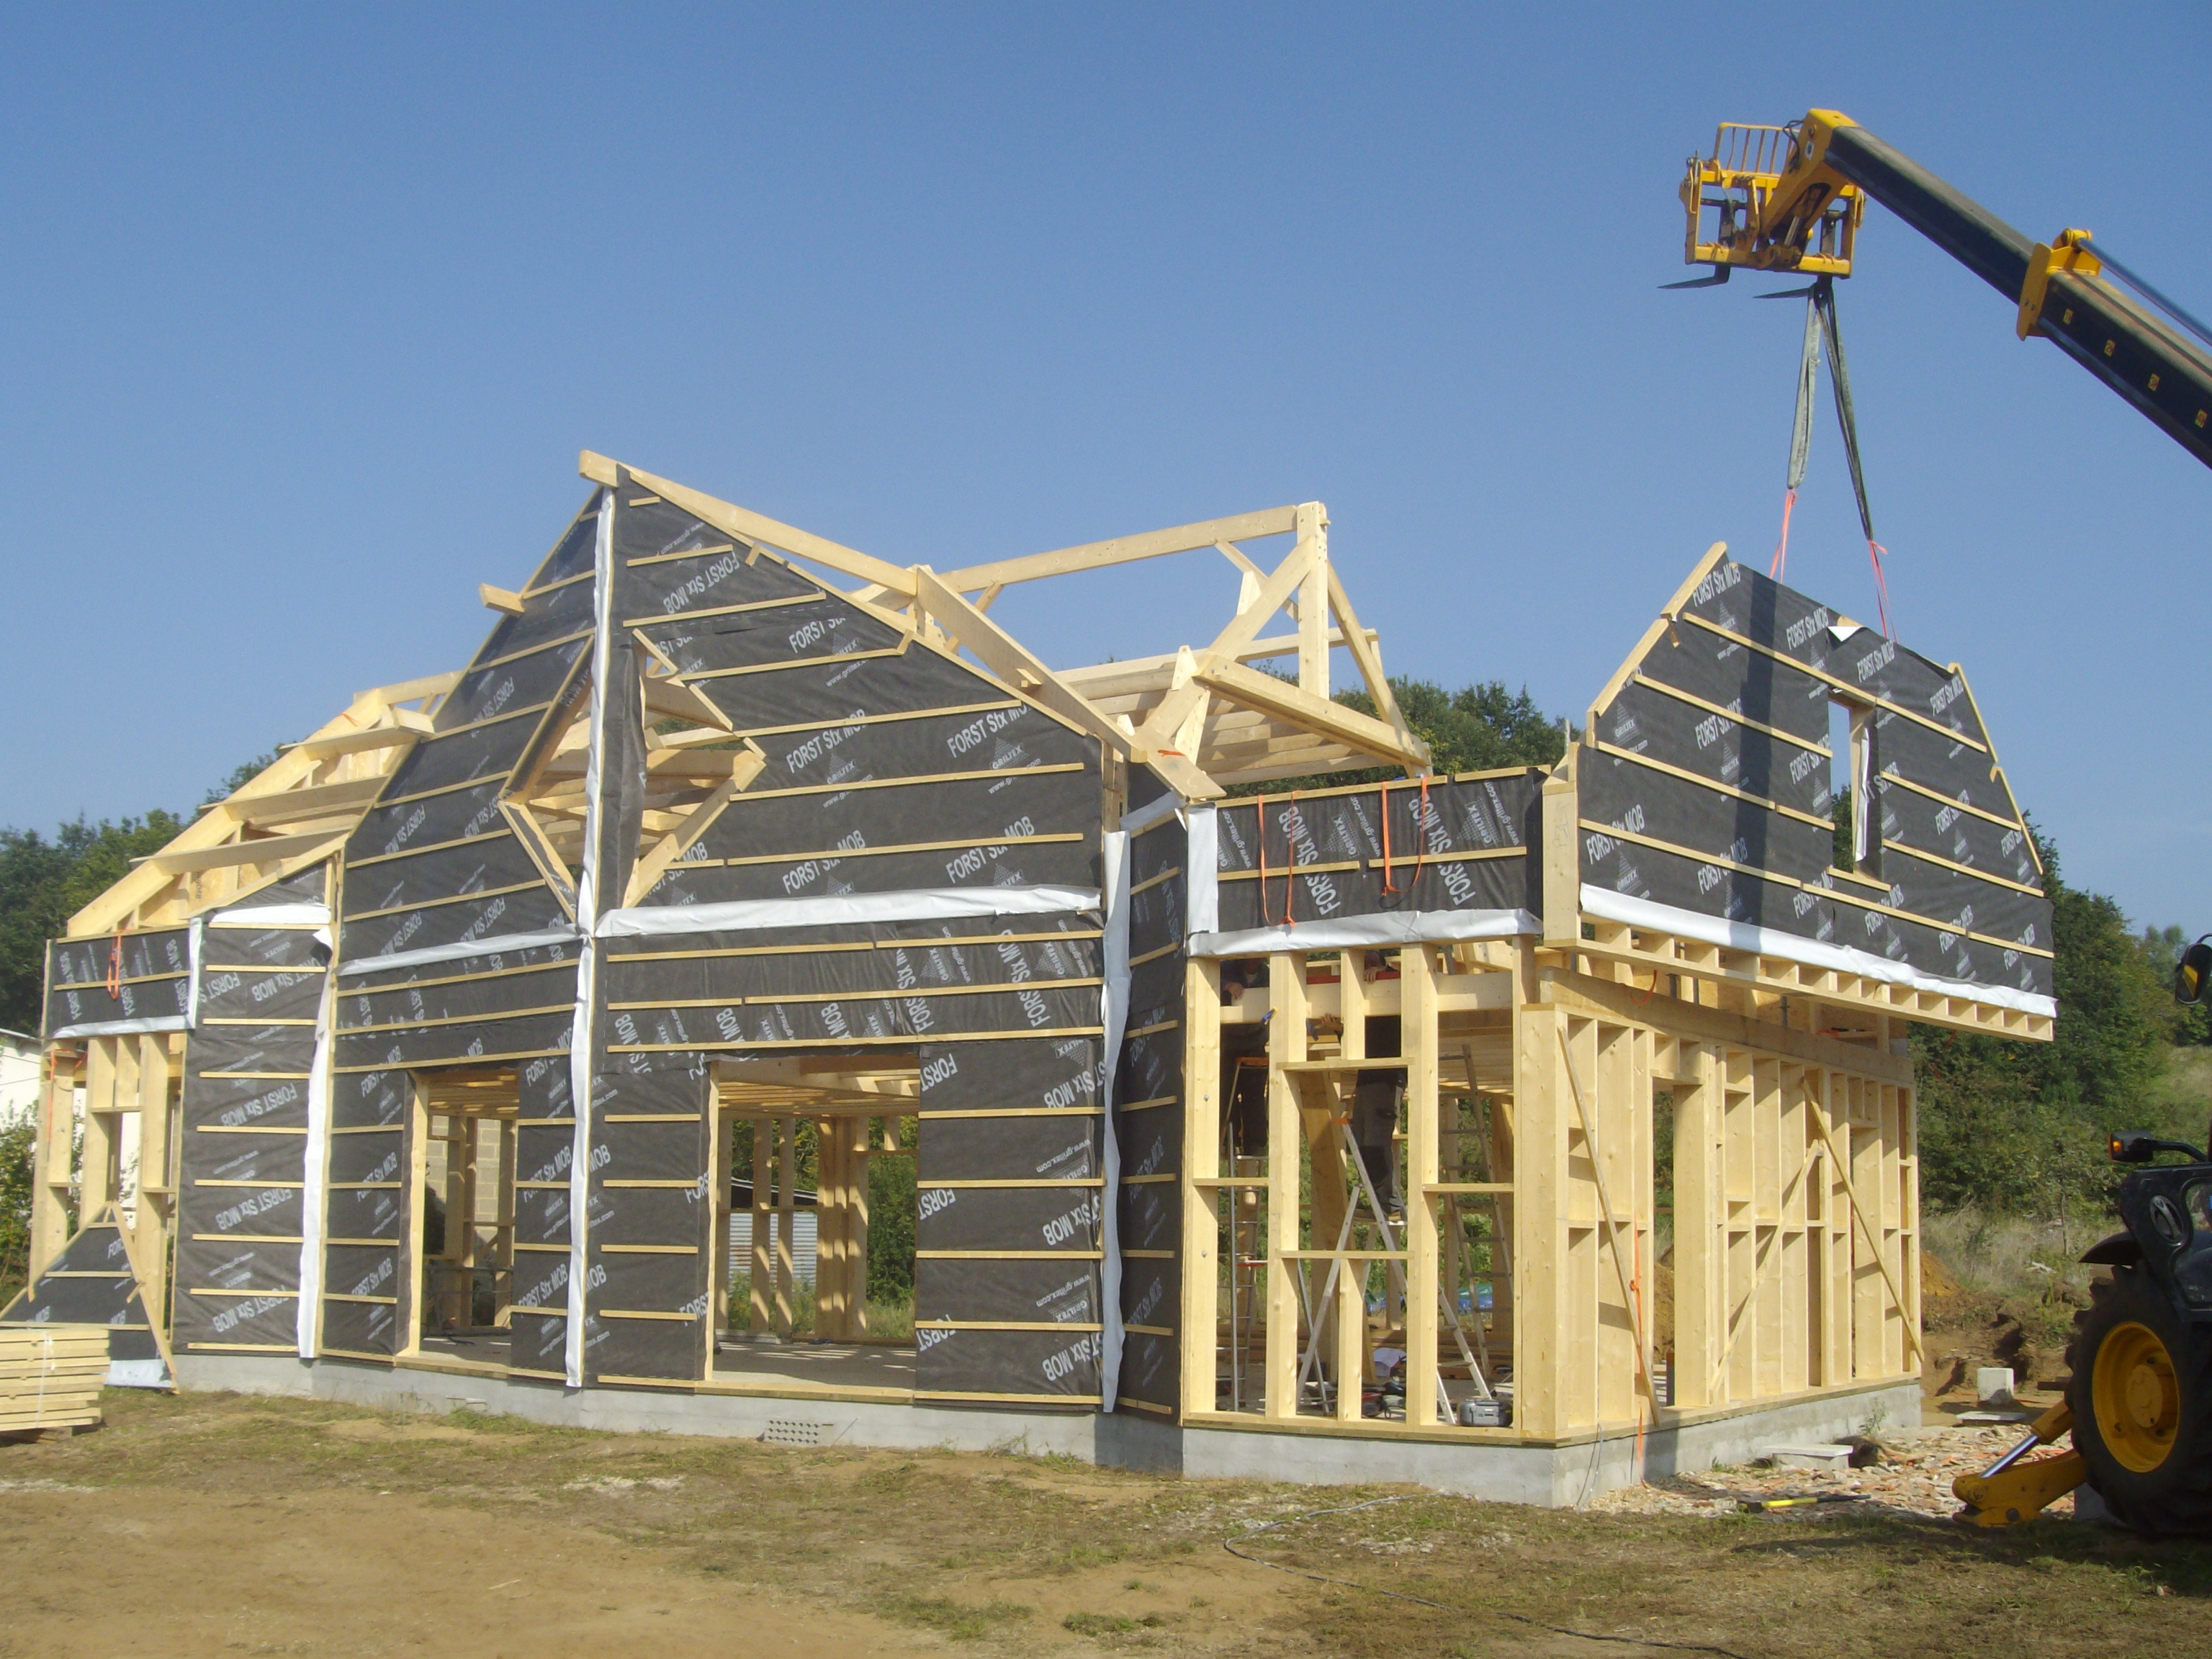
x=1913 y=1478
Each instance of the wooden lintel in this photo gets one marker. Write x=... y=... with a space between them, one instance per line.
x=1250 y=689
x=1580 y=993
x=1122 y=550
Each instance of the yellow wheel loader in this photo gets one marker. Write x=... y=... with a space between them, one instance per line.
x=2139 y=1403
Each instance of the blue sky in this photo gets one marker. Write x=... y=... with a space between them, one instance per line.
x=307 y=315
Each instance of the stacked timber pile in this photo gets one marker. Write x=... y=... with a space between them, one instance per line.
x=51 y=1376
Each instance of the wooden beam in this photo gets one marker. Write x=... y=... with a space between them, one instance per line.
x=500 y=599
x=1366 y=656
x=666 y=692
x=1250 y=689
x=751 y=526
x=1123 y=549
x=1313 y=601
x=694 y=824
x=1023 y=670
x=1698 y=572
x=335 y=743
x=267 y=850
x=426 y=685
x=363 y=726
x=1160 y=727
x=1142 y=674
x=290 y=805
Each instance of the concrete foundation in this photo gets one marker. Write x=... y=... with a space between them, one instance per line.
x=1549 y=1475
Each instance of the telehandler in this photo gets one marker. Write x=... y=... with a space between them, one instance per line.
x=1788 y=201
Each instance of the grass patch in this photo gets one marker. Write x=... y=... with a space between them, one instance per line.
x=962 y=1621
x=1110 y=1624
x=960 y=1545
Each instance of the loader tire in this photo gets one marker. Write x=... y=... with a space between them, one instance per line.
x=2142 y=1399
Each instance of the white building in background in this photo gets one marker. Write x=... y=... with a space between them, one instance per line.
x=19 y=1075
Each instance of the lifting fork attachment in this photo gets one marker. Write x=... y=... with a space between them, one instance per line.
x=2016 y=1486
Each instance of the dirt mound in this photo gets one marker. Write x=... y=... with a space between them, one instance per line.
x=1936 y=1284
x=1965 y=1328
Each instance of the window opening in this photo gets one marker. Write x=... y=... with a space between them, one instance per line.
x=1851 y=741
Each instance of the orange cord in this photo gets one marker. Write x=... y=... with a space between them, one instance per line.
x=115 y=967
x=1388 y=885
x=1261 y=809
x=1781 y=559
x=1874 y=551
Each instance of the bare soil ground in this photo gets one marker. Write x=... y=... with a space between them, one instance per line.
x=224 y=1525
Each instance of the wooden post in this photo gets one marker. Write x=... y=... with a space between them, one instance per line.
x=1313 y=599
x=828 y=1217
x=1870 y=1302
x=157 y=1200
x=1906 y=1128
x=1201 y=1161
x=719 y=1215
x=1344 y=1336
x=1793 y=1271
x=857 y=1166
x=785 y=1225
x=1418 y=1027
x=1541 y=1112
x=1505 y=1278
x=1700 y=1221
x=1286 y=1044
x=1563 y=889
x=760 y=1272
x=410 y=1335
x=50 y=1191
x=506 y=1138
x=465 y=1141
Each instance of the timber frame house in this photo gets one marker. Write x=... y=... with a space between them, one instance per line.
x=1490 y=1117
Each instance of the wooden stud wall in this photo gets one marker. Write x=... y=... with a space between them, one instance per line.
x=1793 y=1185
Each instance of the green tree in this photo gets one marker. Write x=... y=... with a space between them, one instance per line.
x=891 y=1220
x=2012 y=1125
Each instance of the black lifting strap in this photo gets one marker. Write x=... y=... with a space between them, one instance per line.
x=1820 y=323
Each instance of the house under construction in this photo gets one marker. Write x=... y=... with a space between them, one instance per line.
x=1509 y=1132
